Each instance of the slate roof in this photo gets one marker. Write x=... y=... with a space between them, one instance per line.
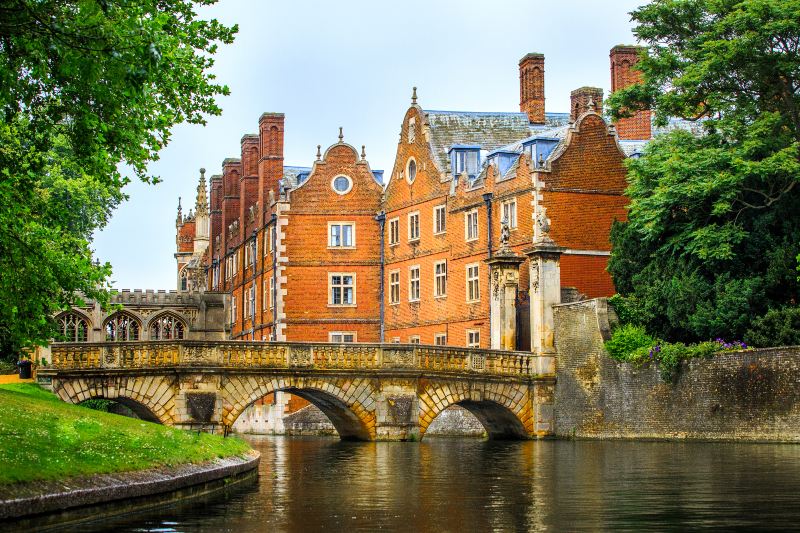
x=488 y=130
x=294 y=176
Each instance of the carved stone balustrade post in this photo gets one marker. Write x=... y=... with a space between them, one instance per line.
x=504 y=275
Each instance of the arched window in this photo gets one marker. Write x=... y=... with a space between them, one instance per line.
x=122 y=327
x=74 y=328
x=184 y=280
x=166 y=327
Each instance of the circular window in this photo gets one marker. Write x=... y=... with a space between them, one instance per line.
x=342 y=184
x=411 y=171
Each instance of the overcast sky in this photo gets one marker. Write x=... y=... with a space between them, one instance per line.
x=353 y=64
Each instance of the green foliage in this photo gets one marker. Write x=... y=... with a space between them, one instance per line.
x=778 y=327
x=43 y=438
x=7 y=367
x=86 y=87
x=97 y=404
x=627 y=340
x=626 y=309
x=713 y=233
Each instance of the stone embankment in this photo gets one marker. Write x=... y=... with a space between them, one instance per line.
x=750 y=395
x=135 y=490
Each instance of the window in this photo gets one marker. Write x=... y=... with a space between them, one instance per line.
x=270 y=300
x=411 y=170
x=439 y=219
x=394 y=287
x=473 y=288
x=413 y=226
x=342 y=336
x=233 y=310
x=342 y=289
x=509 y=213
x=471 y=225
x=473 y=338
x=166 y=327
x=341 y=235
x=440 y=279
x=250 y=301
x=249 y=254
x=440 y=339
x=394 y=231
x=266 y=294
x=413 y=339
x=464 y=161
x=247 y=303
x=342 y=184
x=122 y=327
x=73 y=328
x=413 y=283
x=395 y=340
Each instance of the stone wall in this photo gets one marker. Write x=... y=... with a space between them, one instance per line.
x=748 y=395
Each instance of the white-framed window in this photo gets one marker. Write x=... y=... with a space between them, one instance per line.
x=341 y=288
x=440 y=279
x=473 y=338
x=341 y=234
x=473 y=284
x=266 y=296
x=508 y=212
x=471 y=225
x=439 y=219
x=395 y=340
x=413 y=339
x=394 y=231
x=440 y=339
x=394 y=287
x=413 y=226
x=342 y=336
x=271 y=291
x=413 y=283
x=267 y=241
x=250 y=301
x=411 y=170
x=342 y=184
x=233 y=309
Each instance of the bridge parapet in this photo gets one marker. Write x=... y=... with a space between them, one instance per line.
x=290 y=355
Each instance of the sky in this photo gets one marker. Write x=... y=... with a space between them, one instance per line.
x=353 y=64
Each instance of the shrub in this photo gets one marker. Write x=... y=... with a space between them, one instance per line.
x=629 y=342
x=98 y=404
x=626 y=310
x=779 y=327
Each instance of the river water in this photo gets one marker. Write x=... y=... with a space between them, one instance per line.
x=443 y=485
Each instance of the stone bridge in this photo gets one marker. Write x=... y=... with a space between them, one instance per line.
x=369 y=391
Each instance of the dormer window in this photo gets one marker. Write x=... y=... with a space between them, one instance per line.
x=465 y=159
x=502 y=160
x=538 y=149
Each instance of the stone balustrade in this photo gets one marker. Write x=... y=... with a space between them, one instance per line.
x=291 y=355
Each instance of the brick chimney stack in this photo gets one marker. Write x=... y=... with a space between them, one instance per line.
x=625 y=74
x=270 y=165
x=583 y=100
x=531 y=87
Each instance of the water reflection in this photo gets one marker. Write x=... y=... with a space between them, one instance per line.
x=314 y=484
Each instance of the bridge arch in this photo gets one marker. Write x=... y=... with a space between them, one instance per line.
x=152 y=398
x=503 y=409
x=349 y=403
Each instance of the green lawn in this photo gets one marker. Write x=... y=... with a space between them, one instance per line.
x=42 y=437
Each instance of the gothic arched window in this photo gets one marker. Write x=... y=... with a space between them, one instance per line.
x=167 y=327
x=122 y=327
x=73 y=327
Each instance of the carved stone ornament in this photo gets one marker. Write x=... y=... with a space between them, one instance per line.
x=543 y=223
x=301 y=356
x=478 y=362
x=403 y=358
x=505 y=233
x=110 y=356
x=199 y=355
x=534 y=276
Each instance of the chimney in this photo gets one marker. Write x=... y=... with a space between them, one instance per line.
x=531 y=87
x=270 y=166
x=624 y=74
x=583 y=100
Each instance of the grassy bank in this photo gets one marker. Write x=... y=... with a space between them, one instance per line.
x=42 y=437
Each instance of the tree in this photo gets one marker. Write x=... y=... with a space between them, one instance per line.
x=86 y=86
x=714 y=224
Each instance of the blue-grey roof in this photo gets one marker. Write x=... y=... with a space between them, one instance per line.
x=294 y=176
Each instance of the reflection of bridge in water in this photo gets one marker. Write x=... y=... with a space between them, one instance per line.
x=369 y=391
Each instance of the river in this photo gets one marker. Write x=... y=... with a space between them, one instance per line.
x=443 y=485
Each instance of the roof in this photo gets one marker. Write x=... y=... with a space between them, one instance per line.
x=293 y=176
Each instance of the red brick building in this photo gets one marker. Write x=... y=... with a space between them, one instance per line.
x=333 y=252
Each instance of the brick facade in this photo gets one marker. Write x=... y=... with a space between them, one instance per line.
x=623 y=74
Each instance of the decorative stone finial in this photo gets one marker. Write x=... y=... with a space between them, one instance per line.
x=341 y=135
x=414 y=97
x=543 y=224
x=202 y=171
x=363 y=152
x=179 y=220
x=505 y=234
x=541 y=160
x=319 y=152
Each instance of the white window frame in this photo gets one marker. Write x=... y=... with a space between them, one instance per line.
x=437 y=276
x=413 y=339
x=440 y=339
x=437 y=229
x=468 y=237
x=332 y=334
x=410 y=179
x=394 y=231
x=394 y=284
x=413 y=215
x=341 y=225
x=476 y=279
x=395 y=340
x=473 y=338
x=411 y=279
x=349 y=184
x=342 y=285
x=233 y=309
x=506 y=204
